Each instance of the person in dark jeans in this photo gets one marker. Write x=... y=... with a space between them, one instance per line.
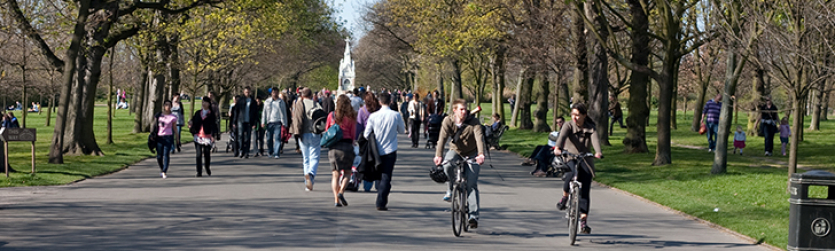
x=259 y=130
x=769 y=120
x=244 y=116
x=710 y=117
x=203 y=125
x=385 y=124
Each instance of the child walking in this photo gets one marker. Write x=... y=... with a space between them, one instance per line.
x=739 y=140
x=785 y=132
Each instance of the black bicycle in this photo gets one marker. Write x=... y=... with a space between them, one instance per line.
x=460 y=207
x=573 y=212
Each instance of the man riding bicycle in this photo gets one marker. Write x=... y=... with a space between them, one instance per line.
x=576 y=137
x=467 y=141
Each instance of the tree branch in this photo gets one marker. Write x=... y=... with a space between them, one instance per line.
x=25 y=26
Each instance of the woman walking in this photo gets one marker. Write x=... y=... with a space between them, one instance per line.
x=164 y=131
x=203 y=125
x=178 y=110
x=341 y=154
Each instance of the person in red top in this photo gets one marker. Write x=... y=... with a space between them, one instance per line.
x=341 y=154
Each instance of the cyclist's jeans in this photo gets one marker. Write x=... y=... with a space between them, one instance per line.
x=472 y=179
x=584 y=177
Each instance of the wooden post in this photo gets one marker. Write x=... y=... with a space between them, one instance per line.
x=6 y=156
x=33 y=157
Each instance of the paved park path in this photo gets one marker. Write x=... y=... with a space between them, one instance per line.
x=260 y=204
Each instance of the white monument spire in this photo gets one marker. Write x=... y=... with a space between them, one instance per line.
x=346 y=70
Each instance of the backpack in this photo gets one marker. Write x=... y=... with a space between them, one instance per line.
x=318 y=118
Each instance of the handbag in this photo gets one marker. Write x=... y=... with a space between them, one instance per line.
x=703 y=129
x=331 y=136
x=285 y=134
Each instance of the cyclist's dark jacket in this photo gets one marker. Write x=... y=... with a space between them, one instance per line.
x=579 y=140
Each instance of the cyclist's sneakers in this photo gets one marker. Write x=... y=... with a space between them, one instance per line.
x=562 y=204
x=447 y=197
x=473 y=223
x=585 y=227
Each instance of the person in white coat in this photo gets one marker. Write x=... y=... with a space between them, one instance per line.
x=273 y=117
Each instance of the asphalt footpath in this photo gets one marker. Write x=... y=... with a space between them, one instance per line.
x=260 y=203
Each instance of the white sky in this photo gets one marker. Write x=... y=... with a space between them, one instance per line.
x=351 y=11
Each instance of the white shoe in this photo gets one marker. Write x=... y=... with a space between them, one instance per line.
x=276 y=157
x=163 y=175
x=710 y=150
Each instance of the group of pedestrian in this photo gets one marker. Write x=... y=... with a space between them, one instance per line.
x=768 y=123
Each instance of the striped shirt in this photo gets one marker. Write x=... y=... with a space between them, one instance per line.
x=711 y=111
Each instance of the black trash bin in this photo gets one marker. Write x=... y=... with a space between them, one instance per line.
x=810 y=218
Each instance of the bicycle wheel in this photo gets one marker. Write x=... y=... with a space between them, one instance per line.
x=457 y=222
x=465 y=209
x=574 y=214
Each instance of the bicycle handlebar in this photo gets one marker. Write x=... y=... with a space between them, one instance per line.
x=582 y=155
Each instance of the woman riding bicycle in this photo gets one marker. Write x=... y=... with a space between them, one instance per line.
x=576 y=137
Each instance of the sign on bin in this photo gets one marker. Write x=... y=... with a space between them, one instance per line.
x=18 y=134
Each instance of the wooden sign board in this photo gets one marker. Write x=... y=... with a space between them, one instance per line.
x=18 y=134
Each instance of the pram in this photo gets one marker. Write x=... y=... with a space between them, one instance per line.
x=232 y=143
x=434 y=129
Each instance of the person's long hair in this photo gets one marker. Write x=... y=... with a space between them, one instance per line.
x=343 y=109
x=371 y=103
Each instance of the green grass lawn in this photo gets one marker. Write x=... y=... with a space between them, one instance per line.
x=751 y=198
x=127 y=148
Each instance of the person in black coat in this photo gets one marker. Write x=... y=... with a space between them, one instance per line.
x=203 y=125
x=244 y=116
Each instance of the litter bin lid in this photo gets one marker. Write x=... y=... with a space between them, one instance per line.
x=814 y=175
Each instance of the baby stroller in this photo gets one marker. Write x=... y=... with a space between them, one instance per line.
x=232 y=143
x=435 y=121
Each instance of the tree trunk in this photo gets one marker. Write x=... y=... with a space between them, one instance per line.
x=524 y=102
x=598 y=90
x=110 y=99
x=581 y=73
x=794 y=139
x=140 y=97
x=565 y=99
x=173 y=64
x=817 y=105
x=515 y=113
x=825 y=112
x=635 y=140
x=23 y=87
x=663 y=153
x=56 y=149
x=440 y=80
x=541 y=114
x=674 y=105
x=457 y=89
x=720 y=159
x=557 y=102
x=498 y=82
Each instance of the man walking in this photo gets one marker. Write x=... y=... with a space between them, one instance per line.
x=615 y=113
x=244 y=116
x=710 y=117
x=308 y=141
x=385 y=124
x=467 y=141
x=273 y=118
